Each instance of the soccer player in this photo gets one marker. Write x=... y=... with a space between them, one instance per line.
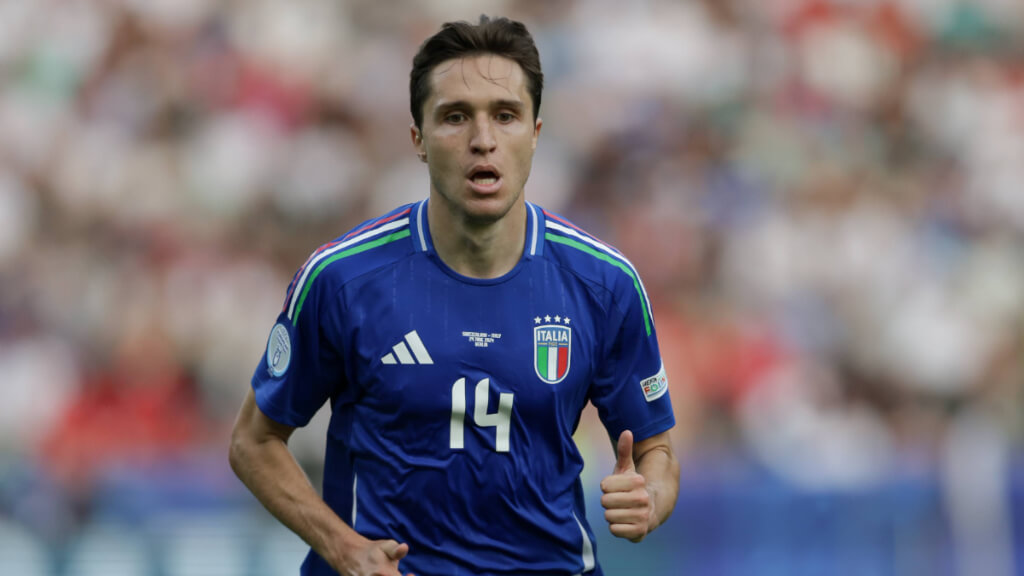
x=457 y=341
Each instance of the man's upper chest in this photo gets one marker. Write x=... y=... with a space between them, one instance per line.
x=417 y=332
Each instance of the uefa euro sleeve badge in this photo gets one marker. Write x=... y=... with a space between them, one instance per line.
x=552 y=351
x=279 y=351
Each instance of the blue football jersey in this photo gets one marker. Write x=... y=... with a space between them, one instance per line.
x=454 y=399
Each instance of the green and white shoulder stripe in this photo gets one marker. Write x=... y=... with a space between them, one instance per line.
x=378 y=236
x=568 y=235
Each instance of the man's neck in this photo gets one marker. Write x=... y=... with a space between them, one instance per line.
x=475 y=249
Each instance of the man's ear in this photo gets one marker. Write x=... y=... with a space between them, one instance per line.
x=417 y=142
x=536 y=132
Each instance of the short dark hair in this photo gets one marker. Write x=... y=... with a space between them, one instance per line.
x=500 y=36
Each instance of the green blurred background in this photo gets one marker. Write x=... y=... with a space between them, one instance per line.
x=825 y=199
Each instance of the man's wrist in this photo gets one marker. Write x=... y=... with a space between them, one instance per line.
x=653 y=519
x=337 y=545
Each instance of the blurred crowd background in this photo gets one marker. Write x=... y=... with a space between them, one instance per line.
x=824 y=197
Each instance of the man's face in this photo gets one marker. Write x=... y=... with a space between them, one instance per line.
x=478 y=135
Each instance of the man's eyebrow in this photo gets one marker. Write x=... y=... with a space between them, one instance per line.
x=442 y=107
x=514 y=104
x=454 y=104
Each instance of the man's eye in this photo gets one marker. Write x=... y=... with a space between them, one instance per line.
x=505 y=117
x=455 y=118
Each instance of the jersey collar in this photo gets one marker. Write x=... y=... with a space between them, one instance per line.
x=534 y=230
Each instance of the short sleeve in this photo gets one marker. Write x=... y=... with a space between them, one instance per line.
x=302 y=366
x=631 y=387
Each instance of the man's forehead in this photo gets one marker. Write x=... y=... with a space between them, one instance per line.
x=487 y=65
x=478 y=71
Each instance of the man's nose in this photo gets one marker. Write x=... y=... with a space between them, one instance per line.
x=483 y=140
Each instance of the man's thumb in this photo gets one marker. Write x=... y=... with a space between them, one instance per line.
x=394 y=550
x=624 y=458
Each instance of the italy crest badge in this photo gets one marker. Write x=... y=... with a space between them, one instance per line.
x=552 y=346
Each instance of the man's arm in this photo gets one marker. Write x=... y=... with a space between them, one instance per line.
x=641 y=492
x=260 y=457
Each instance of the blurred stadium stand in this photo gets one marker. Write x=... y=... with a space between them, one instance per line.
x=823 y=197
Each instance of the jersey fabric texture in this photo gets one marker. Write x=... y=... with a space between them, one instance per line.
x=454 y=400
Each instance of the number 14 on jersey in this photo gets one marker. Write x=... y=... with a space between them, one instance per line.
x=500 y=420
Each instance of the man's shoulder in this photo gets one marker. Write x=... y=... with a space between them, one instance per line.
x=597 y=263
x=372 y=244
x=583 y=253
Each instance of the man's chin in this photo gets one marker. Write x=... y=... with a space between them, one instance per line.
x=486 y=211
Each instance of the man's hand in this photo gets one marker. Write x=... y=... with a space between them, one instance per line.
x=375 y=558
x=628 y=504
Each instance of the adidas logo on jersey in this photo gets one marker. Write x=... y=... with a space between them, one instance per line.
x=414 y=353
